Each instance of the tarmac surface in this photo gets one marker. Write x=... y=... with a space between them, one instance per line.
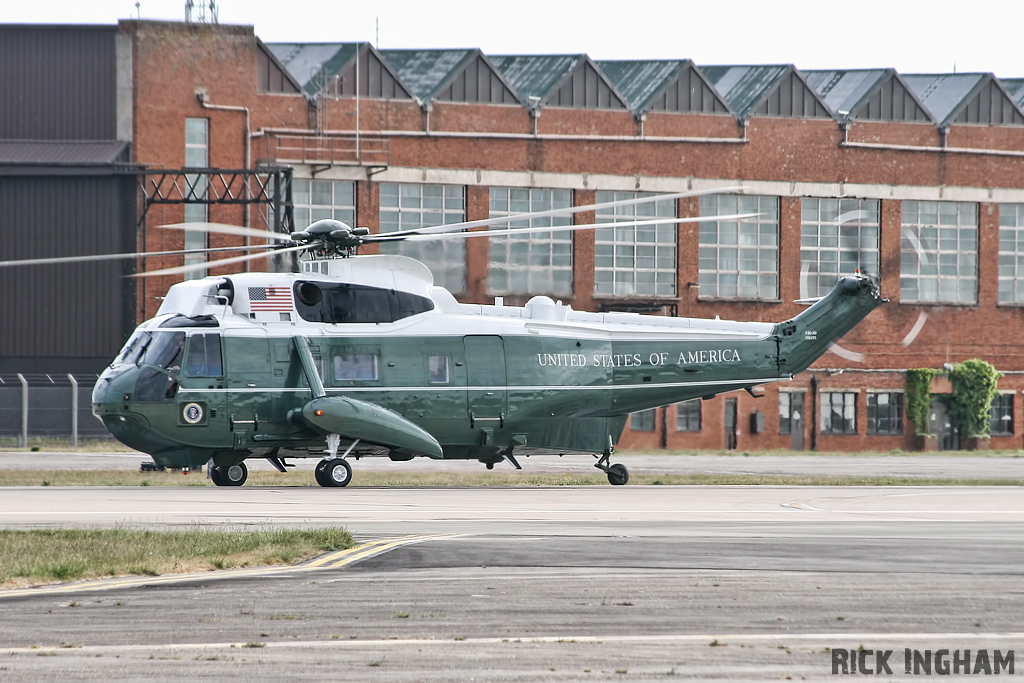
x=541 y=583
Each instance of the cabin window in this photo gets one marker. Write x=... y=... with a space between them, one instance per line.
x=438 y=367
x=838 y=412
x=1001 y=415
x=688 y=416
x=530 y=263
x=637 y=260
x=885 y=413
x=355 y=367
x=643 y=421
x=406 y=206
x=1011 y=253
x=204 y=357
x=329 y=302
x=739 y=259
x=837 y=237
x=939 y=252
x=314 y=200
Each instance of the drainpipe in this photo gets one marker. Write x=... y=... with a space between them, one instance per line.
x=640 y=119
x=204 y=101
x=744 y=123
x=814 y=412
x=534 y=110
x=427 y=107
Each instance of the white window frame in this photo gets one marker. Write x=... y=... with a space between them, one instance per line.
x=314 y=200
x=533 y=263
x=635 y=261
x=848 y=414
x=837 y=237
x=1011 y=254
x=939 y=252
x=739 y=259
x=405 y=206
x=197 y=155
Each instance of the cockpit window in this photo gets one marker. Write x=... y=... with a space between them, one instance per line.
x=165 y=351
x=328 y=302
x=133 y=348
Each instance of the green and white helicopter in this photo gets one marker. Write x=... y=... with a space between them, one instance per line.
x=359 y=356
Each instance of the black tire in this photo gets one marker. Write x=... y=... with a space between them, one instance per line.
x=618 y=475
x=337 y=473
x=318 y=473
x=232 y=475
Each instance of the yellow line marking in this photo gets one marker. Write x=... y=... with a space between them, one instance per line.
x=334 y=560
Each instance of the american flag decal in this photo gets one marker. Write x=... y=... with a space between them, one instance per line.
x=270 y=299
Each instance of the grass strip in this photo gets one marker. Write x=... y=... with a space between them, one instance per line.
x=40 y=556
x=371 y=478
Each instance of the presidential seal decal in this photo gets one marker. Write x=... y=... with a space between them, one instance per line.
x=192 y=413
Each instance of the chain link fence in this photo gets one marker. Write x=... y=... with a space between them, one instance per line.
x=48 y=406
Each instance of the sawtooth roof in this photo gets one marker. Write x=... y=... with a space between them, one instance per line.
x=664 y=85
x=965 y=98
x=560 y=81
x=452 y=75
x=749 y=90
x=875 y=94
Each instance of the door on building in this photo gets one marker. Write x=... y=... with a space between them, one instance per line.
x=796 y=421
x=730 y=423
x=941 y=424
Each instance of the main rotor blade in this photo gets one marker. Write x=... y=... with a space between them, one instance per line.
x=113 y=257
x=225 y=229
x=224 y=262
x=454 y=227
x=387 y=237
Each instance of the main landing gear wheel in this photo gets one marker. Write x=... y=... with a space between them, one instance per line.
x=618 y=475
x=232 y=475
x=331 y=473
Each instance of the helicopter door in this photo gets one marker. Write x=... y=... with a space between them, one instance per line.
x=247 y=371
x=486 y=380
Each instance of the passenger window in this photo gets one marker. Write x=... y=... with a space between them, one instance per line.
x=356 y=366
x=204 y=357
x=346 y=303
x=438 y=366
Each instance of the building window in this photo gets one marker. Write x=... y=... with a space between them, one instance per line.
x=837 y=237
x=197 y=155
x=638 y=260
x=785 y=412
x=688 y=416
x=1011 y=253
x=643 y=421
x=406 y=207
x=739 y=258
x=885 y=413
x=838 y=413
x=532 y=263
x=939 y=253
x=1001 y=415
x=318 y=199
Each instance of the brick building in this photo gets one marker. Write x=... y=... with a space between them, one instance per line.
x=919 y=178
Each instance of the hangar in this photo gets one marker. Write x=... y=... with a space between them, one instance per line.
x=112 y=131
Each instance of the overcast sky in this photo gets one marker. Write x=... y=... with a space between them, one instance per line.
x=912 y=36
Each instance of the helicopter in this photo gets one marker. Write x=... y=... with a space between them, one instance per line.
x=362 y=355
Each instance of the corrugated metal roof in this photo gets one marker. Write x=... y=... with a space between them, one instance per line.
x=535 y=75
x=844 y=91
x=307 y=60
x=640 y=81
x=1015 y=88
x=63 y=153
x=744 y=87
x=943 y=94
x=427 y=71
